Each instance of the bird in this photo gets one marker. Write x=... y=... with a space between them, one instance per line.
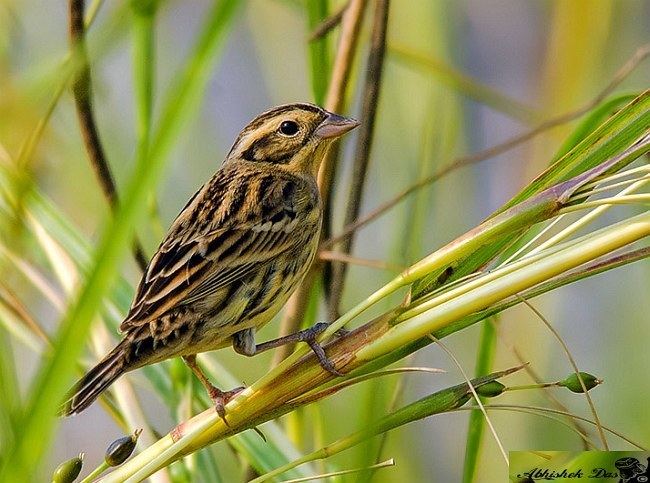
x=232 y=257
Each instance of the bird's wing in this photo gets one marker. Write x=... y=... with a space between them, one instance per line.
x=230 y=228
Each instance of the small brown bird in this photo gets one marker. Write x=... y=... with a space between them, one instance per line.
x=233 y=255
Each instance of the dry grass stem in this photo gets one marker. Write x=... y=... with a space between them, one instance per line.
x=362 y=262
x=369 y=103
x=566 y=350
x=294 y=311
x=477 y=399
x=82 y=91
x=327 y=25
x=528 y=368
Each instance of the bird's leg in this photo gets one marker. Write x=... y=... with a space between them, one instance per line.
x=244 y=343
x=219 y=398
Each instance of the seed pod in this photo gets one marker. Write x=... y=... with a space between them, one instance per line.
x=68 y=471
x=120 y=449
x=572 y=383
x=491 y=389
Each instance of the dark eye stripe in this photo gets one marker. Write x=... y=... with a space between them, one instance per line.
x=277 y=155
x=255 y=146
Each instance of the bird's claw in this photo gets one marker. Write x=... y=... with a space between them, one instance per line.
x=221 y=398
x=310 y=338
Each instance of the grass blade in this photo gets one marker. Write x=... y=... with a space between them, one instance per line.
x=484 y=360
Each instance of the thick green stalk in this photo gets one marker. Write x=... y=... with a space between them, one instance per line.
x=261 y=402
x=565 y=257
x=144 y=62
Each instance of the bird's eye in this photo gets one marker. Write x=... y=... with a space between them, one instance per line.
x=288 y=128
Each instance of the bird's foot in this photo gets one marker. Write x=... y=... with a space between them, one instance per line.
x=221 y=398
x=309 y=336
x=242 y=344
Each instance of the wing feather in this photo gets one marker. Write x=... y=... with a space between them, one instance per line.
x=198 y=258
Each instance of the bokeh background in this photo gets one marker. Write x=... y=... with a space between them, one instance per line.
x=544 y=58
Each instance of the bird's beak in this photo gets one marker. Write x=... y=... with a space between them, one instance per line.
x=334 y=126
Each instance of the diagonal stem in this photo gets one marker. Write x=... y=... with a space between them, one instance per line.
x=639 y=56
x=81 y=88
x=364 y=143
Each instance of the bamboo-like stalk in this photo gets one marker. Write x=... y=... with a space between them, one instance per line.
x=267 y=397
x=500 y=287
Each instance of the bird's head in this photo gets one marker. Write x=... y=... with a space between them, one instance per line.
x=295 y=136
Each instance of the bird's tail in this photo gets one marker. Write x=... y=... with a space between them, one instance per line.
x=96 y=381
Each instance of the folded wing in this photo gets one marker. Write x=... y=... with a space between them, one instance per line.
x=228 y=230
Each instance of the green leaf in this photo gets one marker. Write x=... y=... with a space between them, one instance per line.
x=595 y=118
x=619 y=132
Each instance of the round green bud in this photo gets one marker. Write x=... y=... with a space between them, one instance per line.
x=491 y=389
x=572 y=383
x=68 y=471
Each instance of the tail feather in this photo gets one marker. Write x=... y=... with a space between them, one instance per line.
x=96 y=381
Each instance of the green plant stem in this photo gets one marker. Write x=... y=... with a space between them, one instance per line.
x=377 y=466
x=525 y=387
x=498 y=285
x=267 y=398
x=484 y=360
x=318 y=51
x=144 y=62
x=436 y=403
x=94 y=474
x=541 y=410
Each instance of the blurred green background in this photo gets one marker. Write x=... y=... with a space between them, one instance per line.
x=544 y=58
